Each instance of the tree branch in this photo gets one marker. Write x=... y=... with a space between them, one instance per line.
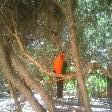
x=65 y=77
x=7 y=27
x=36 y=86
x=17 y=82
x=35 y=62
x=57 y=2
x=96 y=66
x=70 y=18
x=14 y=96
x=104 y=71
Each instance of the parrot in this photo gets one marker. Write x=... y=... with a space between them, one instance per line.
x=59 y=67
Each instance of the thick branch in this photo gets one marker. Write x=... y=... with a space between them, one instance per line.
x=65 y=77
x=104 y=71
x=38 y=87
x=17 y=82
x=72 y=33
x=85 y=70
x=14 y=96
x=96 y=66
x=30 y=58
x=23 y=52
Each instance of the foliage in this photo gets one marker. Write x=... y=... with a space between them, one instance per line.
x=97 y=84
x=43 y=32
x=94 y=30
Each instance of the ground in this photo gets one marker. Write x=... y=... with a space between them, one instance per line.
x=67 y=104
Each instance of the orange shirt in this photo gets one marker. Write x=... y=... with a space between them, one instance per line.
x=58 y=64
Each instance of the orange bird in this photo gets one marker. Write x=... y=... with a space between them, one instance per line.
x=58 y=64
x=58 y=69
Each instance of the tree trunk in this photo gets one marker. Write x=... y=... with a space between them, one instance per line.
x=17 y=82
x=80 y=97
x=109 y=82
x=15 y=97
x=72 y=33
x=109 y=87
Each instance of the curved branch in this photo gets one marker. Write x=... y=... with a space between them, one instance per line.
x=36 y=86
x=17 y=82
x=87 y=69
x=14 y=96
x=96 y=66
x=30 y=58
x=104 y=71
x=65 y=77
x=35 y=62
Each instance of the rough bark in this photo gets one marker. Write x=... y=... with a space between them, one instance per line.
x=36 y=86
x=17 y=82
x=14 y=96
x=72 y=33
x=27 y=79
x=80 y=98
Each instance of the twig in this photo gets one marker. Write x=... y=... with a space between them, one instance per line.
x=65 y=77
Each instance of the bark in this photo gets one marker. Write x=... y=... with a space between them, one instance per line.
x=27 y=79
x=30 y=58
x=80 y=97
x=58 y=3
x=109 y=82
x=109 y=87
x=17 y=82
x=36 y=86
x=14 y=96
x=97 y=66
x=72 y=33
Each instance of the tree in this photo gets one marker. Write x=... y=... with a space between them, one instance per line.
x=40 y=24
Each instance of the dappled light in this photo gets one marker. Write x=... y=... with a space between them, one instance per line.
x=55 y=55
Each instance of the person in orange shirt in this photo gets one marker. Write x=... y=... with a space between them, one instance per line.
x=59 y=67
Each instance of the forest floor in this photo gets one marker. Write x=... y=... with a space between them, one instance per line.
x=98 y=105
x=66 y=104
